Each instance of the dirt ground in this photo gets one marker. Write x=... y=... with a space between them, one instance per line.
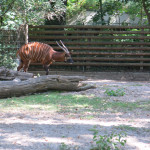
x=28 y=130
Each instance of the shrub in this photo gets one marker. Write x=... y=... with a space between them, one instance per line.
x=118 y=92
x=111 y=141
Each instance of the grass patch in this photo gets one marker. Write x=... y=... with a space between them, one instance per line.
x=127 y=128
x=145 y=105
x=77 y=104
x=134 y=129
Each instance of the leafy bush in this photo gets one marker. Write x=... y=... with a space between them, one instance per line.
x=112 y=141
x=7 y=59
x=118 y=92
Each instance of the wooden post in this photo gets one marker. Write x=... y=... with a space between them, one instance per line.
x=26 y=34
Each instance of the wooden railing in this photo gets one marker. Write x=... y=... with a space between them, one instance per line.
x=98 y=46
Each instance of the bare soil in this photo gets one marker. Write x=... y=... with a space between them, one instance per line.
x=43 y=130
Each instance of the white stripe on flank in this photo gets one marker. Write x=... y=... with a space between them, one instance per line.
x=45 y=52
x=35 y=51
x=27 y=52
x=32 y=52
x=22 y=52
x=42 y=52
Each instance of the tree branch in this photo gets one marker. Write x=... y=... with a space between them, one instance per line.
x=8 y=8
x=146 y=10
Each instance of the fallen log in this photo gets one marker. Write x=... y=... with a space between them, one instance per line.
x=43 y=83
x=8 y=74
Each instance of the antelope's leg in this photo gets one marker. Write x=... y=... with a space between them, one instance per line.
x=20 y=65
x=46 y=69
x=26 y=66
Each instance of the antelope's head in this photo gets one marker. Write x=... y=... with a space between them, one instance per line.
x=67 y=53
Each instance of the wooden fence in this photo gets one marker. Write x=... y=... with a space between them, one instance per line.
x=98 y=47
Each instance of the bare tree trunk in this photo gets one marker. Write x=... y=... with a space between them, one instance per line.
x=43 y=83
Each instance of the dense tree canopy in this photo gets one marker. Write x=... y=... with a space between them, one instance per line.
x=17 y=12
x=134 y=8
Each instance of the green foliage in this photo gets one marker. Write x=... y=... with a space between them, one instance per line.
x=112 y=141
x=118 y=92
x=131 y=7
x=32 y=12
x=134 y=10
x=15 y=13
x=84 y=4
x=7 y=61
x=7 y=58
x=76 y=6
x=63 y=146
x=110 y=7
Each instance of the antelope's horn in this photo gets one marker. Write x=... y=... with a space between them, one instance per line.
x=61 y=47
x=64 y=46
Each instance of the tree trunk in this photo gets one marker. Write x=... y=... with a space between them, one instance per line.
x=43 y=83
x=7 y=74
x=26 y=33
x=146 y=9
x=101 y=12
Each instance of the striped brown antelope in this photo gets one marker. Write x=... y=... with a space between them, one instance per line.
x=43 y=53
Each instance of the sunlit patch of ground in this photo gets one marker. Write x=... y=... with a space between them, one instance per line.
x=55 y=121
